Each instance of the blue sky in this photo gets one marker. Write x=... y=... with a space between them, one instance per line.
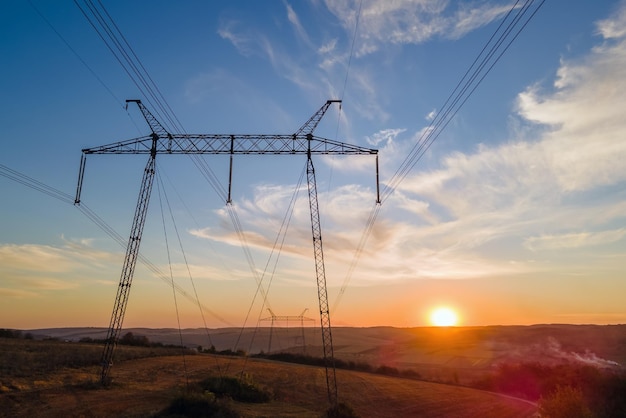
x=515 y=215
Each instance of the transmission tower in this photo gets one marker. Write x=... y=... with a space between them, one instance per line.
x=286 y=318
x=160 y=141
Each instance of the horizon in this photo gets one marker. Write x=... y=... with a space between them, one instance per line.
x=513 y=217
x=317 y=326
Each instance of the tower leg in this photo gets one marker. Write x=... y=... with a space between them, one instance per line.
x=130 y=261
x=327 y=338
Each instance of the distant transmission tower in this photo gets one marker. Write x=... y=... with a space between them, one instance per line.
x=160 y=141
x=285 y=319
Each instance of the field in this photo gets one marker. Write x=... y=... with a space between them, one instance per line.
x=448 y=355
x=54 y=379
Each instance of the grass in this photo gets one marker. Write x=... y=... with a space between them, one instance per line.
x=156 y=386
x=27 y=358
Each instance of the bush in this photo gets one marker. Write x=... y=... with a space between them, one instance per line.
x=236 y=389
x=602 y=390
x=197 y=405
x=564 y=402
x=341 y=410
x=10 y=333
x=387 y=370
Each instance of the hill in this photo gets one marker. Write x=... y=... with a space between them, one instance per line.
x=146 y=386
x=456 y=354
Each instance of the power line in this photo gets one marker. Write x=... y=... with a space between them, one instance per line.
x=458 y=97
x=117 y=44
x=41 y=187
x=75 y=53
x=499 y=42
x=356 y=30
x=169 y=263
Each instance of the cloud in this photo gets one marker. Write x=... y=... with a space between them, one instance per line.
x=32 y=257
x=471 y=215
x=297 y=25
x=329 y=47
x=530 y=192
x=17 y=293
x=181 y=272
x=228 y=30
x=574 y=240
x=27 y=269
x=615 y=26
x=536 y=190
x=412 y=22
x=385 y=136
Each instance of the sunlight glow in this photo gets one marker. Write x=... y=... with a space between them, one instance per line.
x=443 y=317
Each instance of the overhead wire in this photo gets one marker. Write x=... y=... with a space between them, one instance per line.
x=50 y=191
x=169 y=263
x=110 y=34
x=280 y=236
x=354 y=34
x=169 y=113
x=76 y=54
x=345 y=81
x=133 y=67
x=470 y=81
x=456 y=100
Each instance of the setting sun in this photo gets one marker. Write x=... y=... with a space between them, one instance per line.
x=443 y=317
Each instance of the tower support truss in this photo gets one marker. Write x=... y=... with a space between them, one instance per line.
x=322 y=293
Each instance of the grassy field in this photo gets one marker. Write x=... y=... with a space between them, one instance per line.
x=455 y=354
x=55 y=379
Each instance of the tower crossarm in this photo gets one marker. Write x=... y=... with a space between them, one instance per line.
x=153 y=122
x=232 y=144
x=310 y=125
x=287 y=318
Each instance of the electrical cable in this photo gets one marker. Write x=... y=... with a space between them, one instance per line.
x=76 y=53
x=184 y=255
x=131 y=66
x=282 y=232
x=169 y=263
x=41 y=187
x=356 y=29
x=457 y=98
x=136 y=71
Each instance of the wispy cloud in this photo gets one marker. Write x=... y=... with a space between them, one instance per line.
x=412 y=22
x=574 y=240
x=385 y=137
x=27 y=269
x=533 y=191
x=293 y=18
x=229 y=30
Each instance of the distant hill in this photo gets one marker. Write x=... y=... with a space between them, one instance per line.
x=458 y=354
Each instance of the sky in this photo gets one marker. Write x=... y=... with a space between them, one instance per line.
x=515 y=215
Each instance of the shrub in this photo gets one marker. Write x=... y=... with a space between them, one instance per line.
x=387 y=370
x=564 y=402
x=341 y=410
x=197 y=405
x=236 y=389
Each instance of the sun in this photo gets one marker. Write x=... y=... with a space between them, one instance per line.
x=443 y=317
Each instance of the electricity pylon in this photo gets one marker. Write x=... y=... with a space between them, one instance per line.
x=286 y=318
x=160 y=141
